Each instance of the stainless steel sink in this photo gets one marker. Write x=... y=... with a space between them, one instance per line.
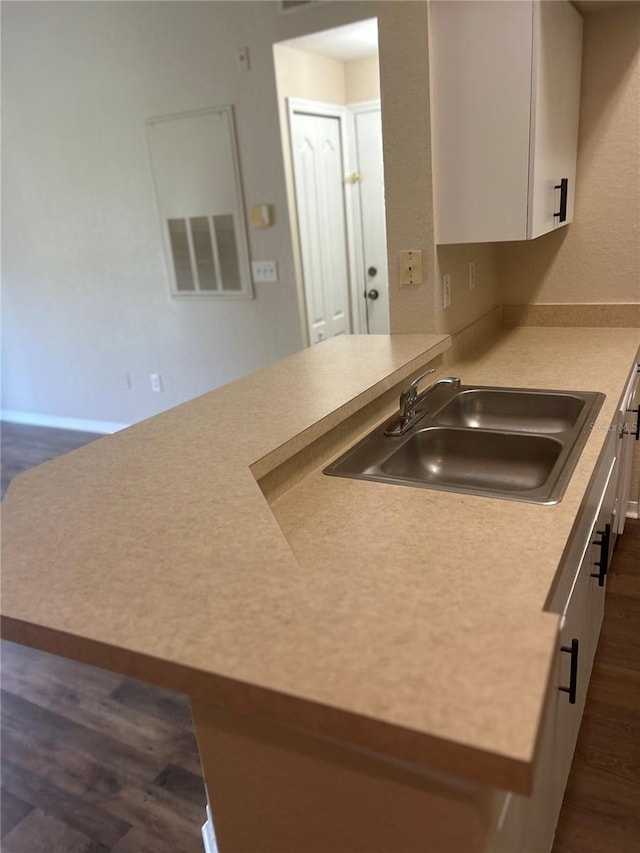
x=510 y=443
x=500 y=408
x=511 y=462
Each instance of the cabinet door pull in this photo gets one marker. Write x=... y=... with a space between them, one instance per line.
x=572 y=689
x=603 y=562
x=563 y=186
x=636 y=432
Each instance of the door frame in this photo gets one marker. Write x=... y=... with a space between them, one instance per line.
x=360 y=273
x=341 y=113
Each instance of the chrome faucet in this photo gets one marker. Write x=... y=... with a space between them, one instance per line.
x=410 y=399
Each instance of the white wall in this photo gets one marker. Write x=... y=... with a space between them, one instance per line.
x=302 y=74
x=85 y=291
x=362 y=79
x=403 y=29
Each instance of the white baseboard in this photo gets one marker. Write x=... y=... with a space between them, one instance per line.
x=208 y=835
x=633 y=509
x=80 y=424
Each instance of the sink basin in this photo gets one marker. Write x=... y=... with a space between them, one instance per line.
x=479 y=459
x=510 y=443
x=528 y=411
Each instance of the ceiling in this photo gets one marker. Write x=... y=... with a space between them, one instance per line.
x=353 y=41
x=360 y=39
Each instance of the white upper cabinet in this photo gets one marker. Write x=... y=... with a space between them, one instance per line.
x=505 y=93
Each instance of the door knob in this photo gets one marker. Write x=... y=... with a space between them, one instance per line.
x=372 y=271
x=373 y=294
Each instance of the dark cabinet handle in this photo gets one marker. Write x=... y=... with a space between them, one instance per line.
x=372 y=271
x=572 y=689
x=373 y=294
x=637 y=411
x=563 y=186
x=603 y=562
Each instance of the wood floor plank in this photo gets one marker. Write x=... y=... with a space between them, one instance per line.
x=98 y=746
x=164 y=816
x=12 y=811
x=17 y=661
x=180 y=792
x=586 y=832
x=63 y=767
x=612 y=730
x=88 y=819
x=622 y=578
x=139 y=840
x=42 y=833
x=20 y=658
x=620 y=639
x=182 y=783
x=591 y=790
x=156 y=701
x=186 y=754
x=615 y=685
x=24 y=446
x=127 y=723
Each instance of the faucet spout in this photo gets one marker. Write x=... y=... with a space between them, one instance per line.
x=410 y=399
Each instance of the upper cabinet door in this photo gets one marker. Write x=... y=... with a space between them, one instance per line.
x=505 y=90
x=557 y=63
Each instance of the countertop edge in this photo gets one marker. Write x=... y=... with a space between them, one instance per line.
x=420 y=751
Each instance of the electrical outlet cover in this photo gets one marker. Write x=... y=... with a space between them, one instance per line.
x=411 y=266
x=446 y=290
x=471 y=270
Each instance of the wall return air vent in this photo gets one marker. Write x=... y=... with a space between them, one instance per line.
x=199 y=196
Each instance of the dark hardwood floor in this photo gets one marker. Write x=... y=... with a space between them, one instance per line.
x=93 y=762
x=24 y=446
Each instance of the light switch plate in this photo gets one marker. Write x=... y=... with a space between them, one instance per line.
x=264 y=271
x=411 y=266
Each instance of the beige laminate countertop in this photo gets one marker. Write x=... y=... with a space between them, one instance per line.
x=405 y=621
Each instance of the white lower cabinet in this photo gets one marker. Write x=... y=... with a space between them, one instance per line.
x=529 y=823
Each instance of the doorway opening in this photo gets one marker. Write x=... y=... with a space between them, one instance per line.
x=329 y=100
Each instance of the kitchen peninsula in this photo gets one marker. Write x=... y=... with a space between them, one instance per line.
x=368 y=664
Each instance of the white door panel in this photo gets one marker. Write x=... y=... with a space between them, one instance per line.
x=368 y=124
x=318 y=172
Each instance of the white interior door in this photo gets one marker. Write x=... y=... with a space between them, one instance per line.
x=316 y=141
x=368 y=150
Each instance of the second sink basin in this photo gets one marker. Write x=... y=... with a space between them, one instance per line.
x=480 y=460
x=497 y=408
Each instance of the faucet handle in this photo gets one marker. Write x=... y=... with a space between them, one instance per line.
x=409 y=395
x=410 y=398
